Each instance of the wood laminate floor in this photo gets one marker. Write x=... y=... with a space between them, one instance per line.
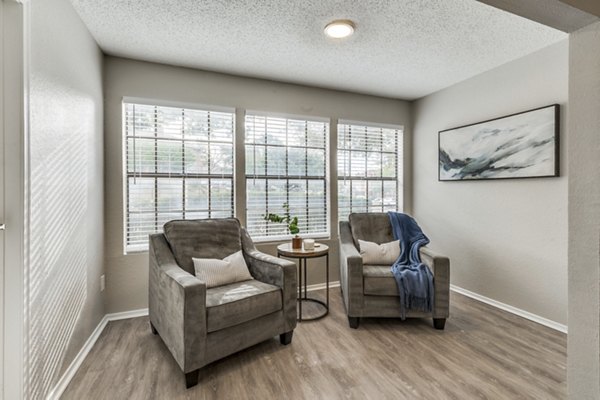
x=483 y=353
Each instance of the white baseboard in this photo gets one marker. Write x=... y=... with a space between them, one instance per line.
x=127 y=314
x=77 y=361
x=87 y=347
x=321 y=286
x=513 y=310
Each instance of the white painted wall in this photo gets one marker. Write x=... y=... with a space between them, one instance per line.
x=507 y=240
x=584 y=214
x=127 y=275
x=64 y=303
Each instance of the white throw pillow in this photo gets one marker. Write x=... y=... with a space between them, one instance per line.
x=379 y=254
x=215 y=272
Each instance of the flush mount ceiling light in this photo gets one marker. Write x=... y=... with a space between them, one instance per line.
x=339 y=29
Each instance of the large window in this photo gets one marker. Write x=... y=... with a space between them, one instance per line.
x=179 y=165
x=369 y=168
x=286 y=163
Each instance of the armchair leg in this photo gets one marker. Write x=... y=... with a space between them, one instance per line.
x=153 y=329
x=286 y=338
x=191 y=378
x=353 y=322
x=439 y=323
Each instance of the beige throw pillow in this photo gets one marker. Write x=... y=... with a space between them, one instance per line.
x=215 y=272
x=379 y=254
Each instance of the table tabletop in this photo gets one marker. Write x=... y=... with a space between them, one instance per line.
x=286 y=250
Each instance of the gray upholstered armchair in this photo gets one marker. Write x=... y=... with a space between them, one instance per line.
x=371 y=290
x=200 y=325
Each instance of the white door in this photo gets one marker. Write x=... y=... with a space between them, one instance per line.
x=13 y=134
x=2 y=227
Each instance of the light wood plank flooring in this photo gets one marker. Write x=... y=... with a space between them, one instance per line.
x=484 y=353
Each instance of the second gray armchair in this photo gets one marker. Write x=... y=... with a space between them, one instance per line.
x=371 y=290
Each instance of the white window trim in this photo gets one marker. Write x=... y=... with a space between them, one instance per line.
x=370 y=124
x=176 y=104
x=270 y=114
x=286 y=238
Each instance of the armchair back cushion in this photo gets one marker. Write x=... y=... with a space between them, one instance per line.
x=371 y=227
x=202 y=238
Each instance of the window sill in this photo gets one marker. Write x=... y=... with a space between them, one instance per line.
x=273 y=240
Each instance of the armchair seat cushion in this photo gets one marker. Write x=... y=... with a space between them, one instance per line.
x=379 y=280
x=240 y=302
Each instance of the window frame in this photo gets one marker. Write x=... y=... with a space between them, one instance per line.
x=125 y=101
x=399 y=152
x=326 y=177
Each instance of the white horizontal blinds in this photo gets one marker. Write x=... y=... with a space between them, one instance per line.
x=369 y=169
x=286 y=162
x=179 y=165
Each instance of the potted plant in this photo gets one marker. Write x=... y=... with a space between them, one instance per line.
x=291 y=222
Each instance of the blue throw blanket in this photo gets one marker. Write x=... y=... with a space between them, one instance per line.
x=414 y=279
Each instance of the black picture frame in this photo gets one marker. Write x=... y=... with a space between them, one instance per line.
x=508 y=138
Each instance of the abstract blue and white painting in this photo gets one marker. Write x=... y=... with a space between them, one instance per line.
x=522 y=145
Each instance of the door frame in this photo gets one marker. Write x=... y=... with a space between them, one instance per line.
x=15 y=132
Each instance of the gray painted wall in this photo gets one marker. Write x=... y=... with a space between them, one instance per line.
x=584 y=214
x=66 y=188
x=507 y=240
x=127 y=275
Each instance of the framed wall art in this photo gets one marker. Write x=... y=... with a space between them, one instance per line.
x=522 y=145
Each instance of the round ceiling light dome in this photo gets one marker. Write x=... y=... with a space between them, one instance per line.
x=339 y=29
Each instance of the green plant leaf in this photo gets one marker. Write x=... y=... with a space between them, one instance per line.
x=292 y=222
x=274 y=218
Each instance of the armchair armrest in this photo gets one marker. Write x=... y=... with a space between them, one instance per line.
x=177 y=305
x=440 y=267
x=275 y=271
x=351 y=272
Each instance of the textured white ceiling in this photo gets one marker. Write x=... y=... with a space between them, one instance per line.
x=401 y=48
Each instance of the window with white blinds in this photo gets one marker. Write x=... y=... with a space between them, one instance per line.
x=369 y=168
x=286 y=163
x=179 y=165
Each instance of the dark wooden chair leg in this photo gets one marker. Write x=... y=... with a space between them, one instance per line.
x=154 y=331
x=191 y=378
x=439 y=323
x=353 y=322
x=286 y=338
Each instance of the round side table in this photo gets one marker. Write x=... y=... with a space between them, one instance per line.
x=321 y=250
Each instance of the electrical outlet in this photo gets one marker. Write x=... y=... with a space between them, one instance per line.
x=102 y=283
